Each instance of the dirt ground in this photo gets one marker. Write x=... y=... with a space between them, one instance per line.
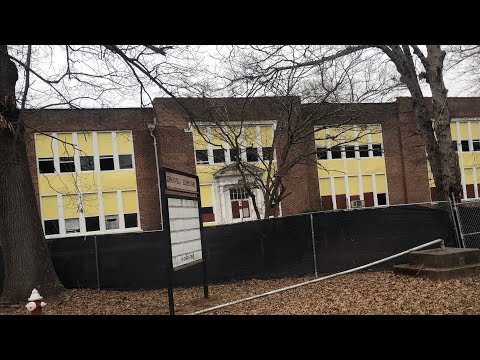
x=357 y=293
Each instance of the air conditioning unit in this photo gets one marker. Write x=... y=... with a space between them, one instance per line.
x=357 y=203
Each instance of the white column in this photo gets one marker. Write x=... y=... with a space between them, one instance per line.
x=332 y=189
x=259 y=141
x=475 y=187
x=374 y=188
x=61 y=216
x=369 y=139
x=470 y=142
x=116 y=161
x=56 y=159
x=121 y=218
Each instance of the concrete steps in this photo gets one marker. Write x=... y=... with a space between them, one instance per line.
x=441 y=264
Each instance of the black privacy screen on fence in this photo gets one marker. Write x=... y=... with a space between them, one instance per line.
x=257 y=249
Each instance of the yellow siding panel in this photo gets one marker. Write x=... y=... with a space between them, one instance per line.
x=475 y=130
x=339 y=185
x=250 y=136
x=430 y=175
x=88 y=181
x=90 y=204
x=49 y=207
x=376 y=131
x=325 y=188
x=105 y=146
x=53 y=184
x=469 y=176
x=334 y=167
x=266 y=134
x=381 y=184
x=205 y=173
x=362 y=134
x=118 y=180
x=353 y=187
x=199 y=141
x=320 y=138
x=124 y=142
x=478 y=175
x=44 y=146
x=217 y=137
x=206 y=195
x=110 y=203
x=85 y=143
x=70 y=206
x=129 y=200
x=470 y=159
x=334 y=134
x=463 y=131
x=63 y=144
x=348 y=136
x=367 y=184
x=453 y=130
x=352 y=166
x=372 y=165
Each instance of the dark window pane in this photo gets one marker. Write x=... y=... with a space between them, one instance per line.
x=268 y=153
x=87 y=163
x=349 y=151
x=72 y=226
x=206 y=210
x=252 y=154
x=363 y=149
x=321 y=153
x=218 y=155
x=46 y=166
x=377 y=149
x=476 y=145
x=382 y=199
x=465 y=147
x=336 y=153
x=51 y=227
x=67 y=164
x=106 y=163
x=92 y=223
x=111 y=222
x=201 y=156
x=233 y=154
x=125 y=161
x=130 y=220
x=454 y=145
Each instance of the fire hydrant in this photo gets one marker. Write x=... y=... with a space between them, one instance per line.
x=36 y=304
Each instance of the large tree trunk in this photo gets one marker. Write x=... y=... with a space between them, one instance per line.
x=27 y=263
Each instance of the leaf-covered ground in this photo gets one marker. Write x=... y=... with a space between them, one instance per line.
x=358 y=293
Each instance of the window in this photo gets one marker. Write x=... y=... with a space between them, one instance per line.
x=72 y=226
x=465 y=147
x=87 y=163
x=106 y=162
x=377 y=149
x=67 y=164
x=238 y=193
x=92 y=223
x=125 y=161
x=321 y=153
x=336 y=153
x=111 y=222
x=218 y=156
x=350 y=151
x=382 y=199
x=201 y=156
x=233 y=154
x=207 y=214
x=454 y=145
x=46 y=166
x=51 y=227
x=268 y=153
x=363 y=149
x=130 y=220
x=252 y=154
x=476 y=145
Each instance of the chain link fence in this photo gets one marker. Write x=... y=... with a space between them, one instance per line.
x=468 y=213
x=312 y=244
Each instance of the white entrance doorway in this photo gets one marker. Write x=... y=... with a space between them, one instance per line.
x=240 y=205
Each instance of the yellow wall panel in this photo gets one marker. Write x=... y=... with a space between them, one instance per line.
x=105 y=146
x=339 y=185
x=463 y=131
x=250 y=134
x=118 y=180
x=353 y=187
x=362 y=134
x=49 y=207
x=376 y=131
x=65 y=149
x=367 y=183
x=44 y=146
x=431 y=181
x=477 y=172
x=320 y=138
x=199 y=141
x=372 y=165
x=266 y=134
x=206 y=195
x=217 y=137
x=381 y=183
x=348 y=136
x=325 y=188
x=88 y=181
x=70 y=206
x=85 y=143
x=53 y=184
x=475 y=130
x=110 y=203
x=90 y=204
x=453 y=130
x=334 y=167
x=334 y=135
x=352 y=166
x=129 y=200
x=205 y=173
x=470 y=159
x=124 y=142
x=469 y=176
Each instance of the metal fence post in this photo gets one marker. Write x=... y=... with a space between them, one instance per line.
x=313 y=245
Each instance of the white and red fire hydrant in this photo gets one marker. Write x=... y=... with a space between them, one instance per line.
x=36 y=304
